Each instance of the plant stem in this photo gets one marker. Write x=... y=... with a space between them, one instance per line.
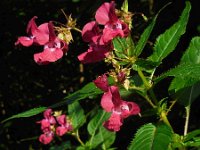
x=147 y=85
x=149 y=101
x=78 y=138
x=187 y=109
x=165 y=119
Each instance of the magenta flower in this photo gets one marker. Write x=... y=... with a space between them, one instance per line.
x=46 y=137
x=53 y=49
x=36 y=35
x=112 y=102
x=113 y=27
x=100 y=40
x=64 y=127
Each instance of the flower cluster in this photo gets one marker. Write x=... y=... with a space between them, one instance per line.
x=44 y=35
x=51 y=125
x=112 y=102
x=100 y=40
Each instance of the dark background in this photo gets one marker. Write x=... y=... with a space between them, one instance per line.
x=25 y=85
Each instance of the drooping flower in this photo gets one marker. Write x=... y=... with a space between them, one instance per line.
x=53 y=49
x=105 y=15
x=38 y=35
x=64 y=127
x=100 y=40
x=111 y=102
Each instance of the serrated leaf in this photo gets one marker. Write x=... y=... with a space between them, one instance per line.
x=150 y=137
x=76 y=114
x=192 y=54
x=186 y=89
x=183 y=71
x=28 y=113
x=167 y=41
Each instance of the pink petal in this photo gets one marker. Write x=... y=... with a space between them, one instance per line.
x=113 y=123
x=25 y=41
x=102 y=82
x=47 y=113
x=48 y=55
x=106 y=101
x=31 y=27
x=41 y=34
x=46 y=138
x=94 y=54
x=61 y=119
x=129 y=108
x=60 y=131
x=106 y=13
x=116 y=98
x=90 y=30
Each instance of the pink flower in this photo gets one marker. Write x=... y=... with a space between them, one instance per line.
x=53 y=50
x=64 y=127
x=113 y=27
x=102 y=83
x=36 y=35
x=100 y=40
x=46 y=137
x=112 y=102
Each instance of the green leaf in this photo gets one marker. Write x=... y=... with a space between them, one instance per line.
x=95 y=124
x=28 y=113
x=144 y=37
x=76 y=114
x=150 y=137
x=145 y=65
x=167 y=41
x=186 y=89
x=191 y=135
x=88 y=91
x=103 y=138
x=192 y=54
x=183 y=71
x=123 y=47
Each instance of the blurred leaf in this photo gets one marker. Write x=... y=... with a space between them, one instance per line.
x=192 y=134
x=66 y=145
x=76 y=114
x=167 y=41
x=151 y=137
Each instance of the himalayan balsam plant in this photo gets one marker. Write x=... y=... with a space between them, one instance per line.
x=109 y=39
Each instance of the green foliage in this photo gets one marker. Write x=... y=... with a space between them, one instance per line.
x=76 y=114
x=183 y=71
x=186 y=89
x=99 y=135
x=151 y=137
x=28 y=113
x=144 y=37
x=167 y=41
x=123 y=47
